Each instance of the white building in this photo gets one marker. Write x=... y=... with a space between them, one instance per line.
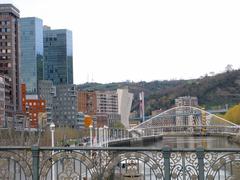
x=124 y=105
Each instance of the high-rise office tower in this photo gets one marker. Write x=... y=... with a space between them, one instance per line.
x=31 y=69
x=9 y=54
x=58 y=60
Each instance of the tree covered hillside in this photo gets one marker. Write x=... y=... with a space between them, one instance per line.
x=212 y=91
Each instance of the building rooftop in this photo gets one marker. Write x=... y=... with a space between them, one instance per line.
x=9 y=8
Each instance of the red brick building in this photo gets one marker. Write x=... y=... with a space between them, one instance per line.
x=32 y=107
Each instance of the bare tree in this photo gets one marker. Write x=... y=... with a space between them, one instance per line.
x=229 y=68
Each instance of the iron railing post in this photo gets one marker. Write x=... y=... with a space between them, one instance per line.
x=200 y=156
x=166 y=156
x=35 y=162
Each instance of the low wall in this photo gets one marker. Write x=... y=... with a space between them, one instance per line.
x=135 y=141
x=234 y=138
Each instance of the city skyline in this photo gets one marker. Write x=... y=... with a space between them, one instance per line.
x=118 y=41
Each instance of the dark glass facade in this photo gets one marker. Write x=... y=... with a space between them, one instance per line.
x=31 y=69
x=58 y=59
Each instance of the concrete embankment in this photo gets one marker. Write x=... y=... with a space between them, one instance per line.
x=135 y=141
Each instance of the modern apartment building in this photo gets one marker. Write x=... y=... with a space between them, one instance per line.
x=47 y=91
x=9 y=55
x=58 y=56
x=65 y=109
x=31 y=69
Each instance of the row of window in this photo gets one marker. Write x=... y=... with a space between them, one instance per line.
x=65 y=98
x=35 y=104
x=3 y=37
x=4 y=71
x=6 y=30
x=5 y=57
x=51 y=39
x=65 y=107
x=68 y=117
x=5 y=65
x=5 y=43
x=3 y=23
x=5 y=51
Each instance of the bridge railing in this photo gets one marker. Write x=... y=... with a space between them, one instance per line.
x=118 y=163
x=195 y=130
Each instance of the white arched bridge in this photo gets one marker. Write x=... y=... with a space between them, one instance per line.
x=185 y=120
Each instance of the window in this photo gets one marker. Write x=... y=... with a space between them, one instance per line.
x=3 y=50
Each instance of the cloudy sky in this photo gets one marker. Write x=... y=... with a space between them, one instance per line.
x=119 y=40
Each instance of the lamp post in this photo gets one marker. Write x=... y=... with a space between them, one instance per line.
x=100 y=136
x=91 y=138
x=52 y=129
x=96 y=137
x=106 y=136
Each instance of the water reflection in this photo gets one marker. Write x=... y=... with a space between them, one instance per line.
x=193 y=142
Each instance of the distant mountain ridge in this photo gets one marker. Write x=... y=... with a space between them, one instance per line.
x=212 y=91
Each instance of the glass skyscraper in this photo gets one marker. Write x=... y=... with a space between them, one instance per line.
x=58 y=59
x=31 y=69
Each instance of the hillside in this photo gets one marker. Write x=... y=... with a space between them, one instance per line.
x=212 y=91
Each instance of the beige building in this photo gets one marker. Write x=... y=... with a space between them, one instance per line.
x=107 y=102
x=107 y=107
x=2 y=101
x=186 y=101
x=182 y=117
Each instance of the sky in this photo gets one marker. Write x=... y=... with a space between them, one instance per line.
x=144 y=40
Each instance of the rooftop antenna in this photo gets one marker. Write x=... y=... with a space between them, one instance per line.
x=87 y=78
x=92 y=77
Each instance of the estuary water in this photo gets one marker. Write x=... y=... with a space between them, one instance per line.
x=206 y=142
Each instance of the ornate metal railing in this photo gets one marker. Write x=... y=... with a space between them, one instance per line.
x=26 y=163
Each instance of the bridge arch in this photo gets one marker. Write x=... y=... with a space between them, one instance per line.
x=184 y=115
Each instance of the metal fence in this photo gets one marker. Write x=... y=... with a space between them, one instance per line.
x=26 y=163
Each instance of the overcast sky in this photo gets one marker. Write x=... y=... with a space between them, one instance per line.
x=119 y=40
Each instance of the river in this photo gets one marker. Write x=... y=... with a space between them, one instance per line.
x=206 y=142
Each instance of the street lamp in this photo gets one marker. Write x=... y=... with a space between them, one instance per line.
x=52 y=129
x=91 y=143
x=105 y=132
